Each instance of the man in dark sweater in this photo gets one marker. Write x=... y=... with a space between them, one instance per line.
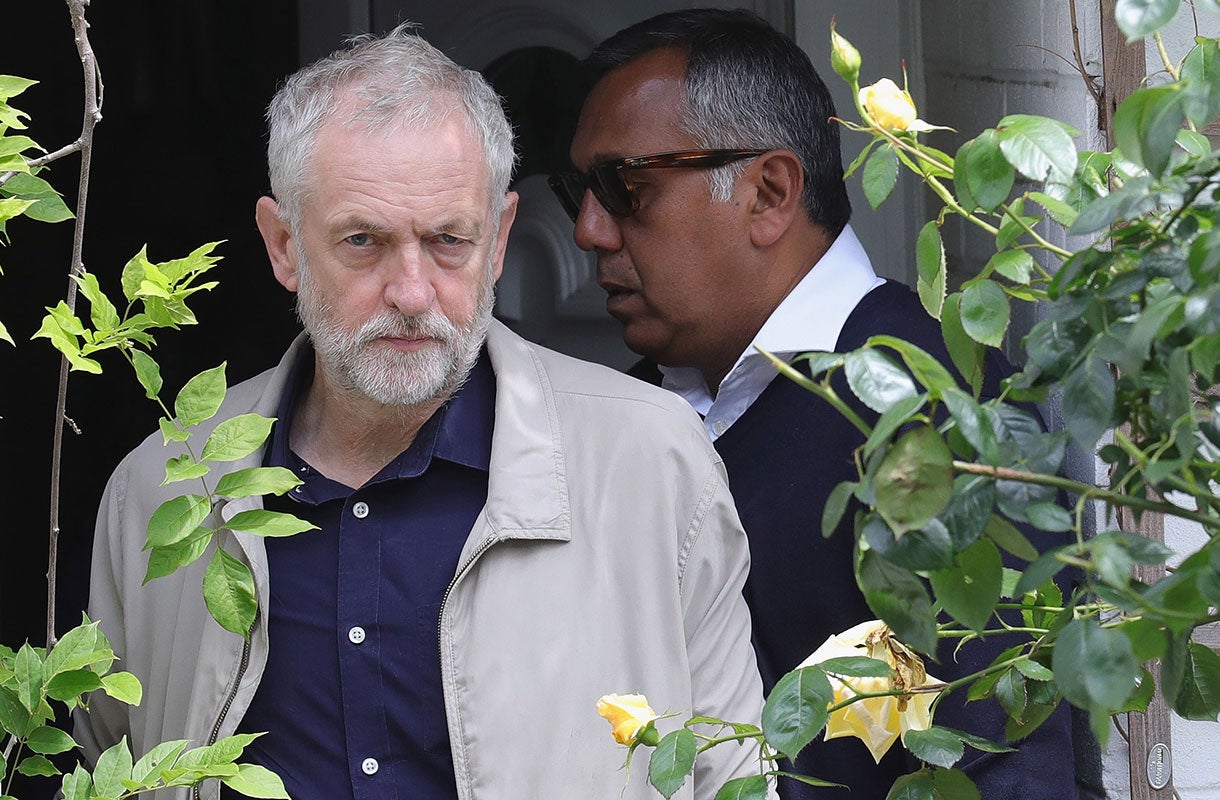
x=708 y=179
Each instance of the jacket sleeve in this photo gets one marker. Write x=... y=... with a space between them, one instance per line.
x=106 y=721
x=725 y=683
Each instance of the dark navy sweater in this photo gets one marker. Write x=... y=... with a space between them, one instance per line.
x=784 y=456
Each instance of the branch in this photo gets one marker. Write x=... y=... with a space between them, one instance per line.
x=92 y=115
x=42 y=161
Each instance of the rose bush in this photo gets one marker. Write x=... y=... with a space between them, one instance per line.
x=1128 y=336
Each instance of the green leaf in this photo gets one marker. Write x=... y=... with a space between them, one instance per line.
x=48 y=741
x=171 y=432
x=1016 y=265
x=835 y=506
x=930 y=263
x=914 y=481
x=11 y=86
x=183 y=467
x=969 y=510
x=1200 y=75
x=76 y=784
x=47 y=204
x=252 y=780
x=752 y=788
x=953 y=784
x=971 y=423
x=1140 y=18
x=1034 y=671
x=175 y=520
x=228 y=591
x=1088 y=402
x=1198 y=696
x=970 y=589
x=14 y=717
x=201 y=397
x=967 y=354
x=237 y=437
x=926 y=369
x=1095 y=667
x=981 y=166
x=938 y=746
x=985 y=312
x=268 y=523
x=225 y=751
x=124 y=687
x=257 y=480
x=27 y=672
x=1146 y=124
x=1045 y=567
x=888 y=424
x=672 y=761
x=898 y=597
x=916 y=786
x=80 y=647
x=5 y=335
x=72 y=684
x=37 y=766
x=1062 y=212
x=146 y=770
x=1041 y=149
x=1009 y=539
x=147 y=372
x=856 y=667
x=164 y=560
x=877 y=380
x=113 y=767
x=880 y=175
x=795 y=711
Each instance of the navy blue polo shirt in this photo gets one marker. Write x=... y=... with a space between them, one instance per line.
x=352 y=692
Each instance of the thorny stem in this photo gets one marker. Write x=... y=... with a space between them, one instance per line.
x=1075 y=487
x=1084 y=73
x=92 y=114
x=824 y=392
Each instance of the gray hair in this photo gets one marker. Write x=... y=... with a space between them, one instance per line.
x=397 y=79
x=747 y=86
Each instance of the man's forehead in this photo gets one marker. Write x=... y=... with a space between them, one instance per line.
x=641 y=100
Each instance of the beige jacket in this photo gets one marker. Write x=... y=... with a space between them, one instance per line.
x=608 y=558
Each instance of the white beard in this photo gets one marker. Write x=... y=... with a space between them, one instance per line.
x=355 y=361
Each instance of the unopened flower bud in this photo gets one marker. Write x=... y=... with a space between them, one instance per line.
x=844 y=58
x=890 y=107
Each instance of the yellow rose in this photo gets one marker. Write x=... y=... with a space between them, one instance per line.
x=877 y=721
x=628 y=715
x=889 y=106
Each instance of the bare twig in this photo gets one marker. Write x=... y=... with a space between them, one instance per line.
x=92 y=116
x=42 y=161
x=1089 y=82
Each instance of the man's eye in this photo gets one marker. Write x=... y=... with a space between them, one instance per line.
x=360 y=239
x=448 y=239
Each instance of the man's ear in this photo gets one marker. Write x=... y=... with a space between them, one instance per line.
x=501 y=243
x=777 y=180
x=277 y=237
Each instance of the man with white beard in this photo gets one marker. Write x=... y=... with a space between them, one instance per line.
x=504 y=533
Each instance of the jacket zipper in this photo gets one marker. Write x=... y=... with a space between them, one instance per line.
x=241 y=673
x=482 y=548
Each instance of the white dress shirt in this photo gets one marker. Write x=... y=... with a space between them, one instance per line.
x=811 y=317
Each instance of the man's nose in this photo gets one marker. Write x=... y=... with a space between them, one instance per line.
x=596 y=228
x=409 y=286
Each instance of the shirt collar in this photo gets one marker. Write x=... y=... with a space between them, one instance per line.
x=460 y=431
x=811 y=317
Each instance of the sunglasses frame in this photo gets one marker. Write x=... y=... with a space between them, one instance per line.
x=615 y=191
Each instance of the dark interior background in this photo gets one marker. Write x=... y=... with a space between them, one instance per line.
x=178 y=161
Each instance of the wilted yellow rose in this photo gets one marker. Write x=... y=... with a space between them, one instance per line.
x=627 y=714
x=877 y=721
x=889 y=106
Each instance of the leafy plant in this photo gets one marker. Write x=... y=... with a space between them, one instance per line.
x=1129 y=336
x=33 y=680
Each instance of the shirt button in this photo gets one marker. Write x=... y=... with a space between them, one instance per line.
x=719 y=427
x=370 y=766
x=360 y=510
x=356 y=635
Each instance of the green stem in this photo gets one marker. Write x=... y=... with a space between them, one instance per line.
x=825 y=392
x=712 y=741
x=1160 y=48
x=1041 y=242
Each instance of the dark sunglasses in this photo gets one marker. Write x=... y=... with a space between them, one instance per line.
x=615 y=191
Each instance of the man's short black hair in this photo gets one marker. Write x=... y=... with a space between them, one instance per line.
x=747 y=86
